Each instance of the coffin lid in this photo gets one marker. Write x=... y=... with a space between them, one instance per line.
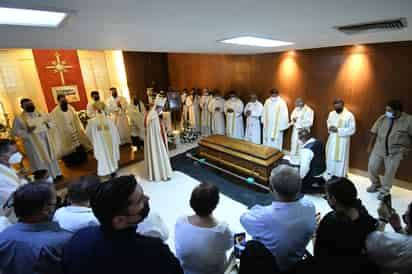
x=258 y=151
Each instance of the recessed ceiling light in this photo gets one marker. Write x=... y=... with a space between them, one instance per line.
x=255 y=41
x=29 y=17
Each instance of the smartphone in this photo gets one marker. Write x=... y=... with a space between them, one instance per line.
x=387 y=200
x=239 y=244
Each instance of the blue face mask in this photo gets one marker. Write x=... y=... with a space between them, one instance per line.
x=389 y=114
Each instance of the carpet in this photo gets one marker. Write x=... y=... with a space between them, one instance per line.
x=230 y=186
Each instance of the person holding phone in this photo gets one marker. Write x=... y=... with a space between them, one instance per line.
x=392 y=250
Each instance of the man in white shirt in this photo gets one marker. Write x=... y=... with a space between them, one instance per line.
x=341 y=126
x=253 y=112
x=275 y=120
x=9 y=180
x=78 y=214
x=301 y=118
x=312 y=162
x=287 y=225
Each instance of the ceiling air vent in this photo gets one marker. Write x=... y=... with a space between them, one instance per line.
x=387 y=25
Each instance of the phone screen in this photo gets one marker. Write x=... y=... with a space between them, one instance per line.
x=240 y=243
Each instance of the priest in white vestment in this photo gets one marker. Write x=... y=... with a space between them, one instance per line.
x=234 y=116
x=253 y=112
x=9 y=179
x=193 y=108
x=106 y=141
x=205 y=114
x=69 y=129
x=301 y=118
x=216 y=107
x=136 y=111
x=91 y=110
x=38 y=135
x=184 y=117
x=117 y=108
x=341 y=126
x=156 y=153
x=275 y=120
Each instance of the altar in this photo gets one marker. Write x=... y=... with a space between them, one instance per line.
x=245 y=158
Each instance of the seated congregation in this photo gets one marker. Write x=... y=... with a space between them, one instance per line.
x=107 y=227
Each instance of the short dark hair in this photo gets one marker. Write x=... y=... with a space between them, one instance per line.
x=273 y=90
x=40 y=174
x=81 y=189
x=24 y=100
x=111 y=198
x=94 y=92
x=113 y=88
x=60 y=96
x=5 y=145
x=396 y=105
x=30 y=199
x=343 y=190
x=338 y=100
x=204 y=199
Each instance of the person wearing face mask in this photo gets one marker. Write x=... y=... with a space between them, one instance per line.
x=136 y=112
x=9 y=179
x=216 y=108
x=339 y=244
x=390 y=142
x=156 y=153
x=120 y=205
x=91 y=110
x=106 y=141
x=38 y=135
x=117 y=108
x=275 y=120
x=312 y=163
x=22 y=243
x=253 y=112
x=341 y=126
x=73 y=142
x=301 y=118
x=234 y=116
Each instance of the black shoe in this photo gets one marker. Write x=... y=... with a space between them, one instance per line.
x=114 y=174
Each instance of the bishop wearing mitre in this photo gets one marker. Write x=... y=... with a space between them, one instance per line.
x=156 y=157
x=72 y=138
x=106 y=141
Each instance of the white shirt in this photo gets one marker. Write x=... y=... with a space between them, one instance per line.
x=202 y=250
x=73 y=218
x=153 y=226
x=284 y=228
x=306 y=156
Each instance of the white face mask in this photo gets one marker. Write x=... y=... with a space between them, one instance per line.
x=16 y=158
x=49 y=179
x=389 y=114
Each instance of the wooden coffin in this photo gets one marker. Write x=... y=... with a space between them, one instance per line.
x=245 y=158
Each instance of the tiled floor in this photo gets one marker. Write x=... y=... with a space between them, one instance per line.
x=171 y=199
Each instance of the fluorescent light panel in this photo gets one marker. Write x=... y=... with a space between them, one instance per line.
x=255 y=41
x=29 y=17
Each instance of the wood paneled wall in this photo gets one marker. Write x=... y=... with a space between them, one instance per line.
x=144 y=68
x=364 y=76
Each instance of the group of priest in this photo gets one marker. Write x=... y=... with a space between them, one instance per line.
x=59 y=134
x=210 y=113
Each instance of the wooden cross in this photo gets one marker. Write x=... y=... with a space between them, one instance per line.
x=59 y=66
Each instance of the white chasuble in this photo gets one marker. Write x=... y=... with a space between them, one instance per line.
x=117 y=108
x=234 y=120
x=106 y=141
x=275 y=120
x=253 y=128
x=304 y=120
x=338 y=145
x=216 y=108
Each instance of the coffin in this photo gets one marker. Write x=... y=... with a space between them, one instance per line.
x=245 y=158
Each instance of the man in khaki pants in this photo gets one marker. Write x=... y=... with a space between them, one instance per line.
x=392 y=133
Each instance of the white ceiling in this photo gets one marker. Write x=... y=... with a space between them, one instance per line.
x=197 y=25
